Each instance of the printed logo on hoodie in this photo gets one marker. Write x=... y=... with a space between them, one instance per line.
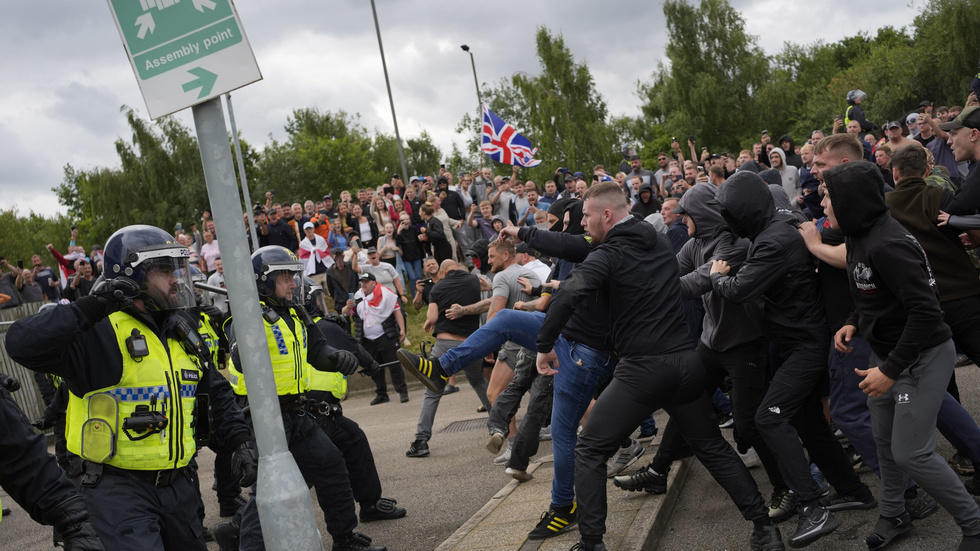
x=862 y=279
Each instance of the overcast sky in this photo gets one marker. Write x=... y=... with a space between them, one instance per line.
x=65 y=74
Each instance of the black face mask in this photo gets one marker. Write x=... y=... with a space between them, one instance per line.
x=733 y=223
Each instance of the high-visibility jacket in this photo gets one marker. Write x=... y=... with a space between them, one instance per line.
x=164 y=382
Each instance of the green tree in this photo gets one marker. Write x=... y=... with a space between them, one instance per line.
x=714 y=70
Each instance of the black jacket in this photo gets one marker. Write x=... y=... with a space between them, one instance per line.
x=778 y=267
x=641 y=209
x=582 y=326
x=634 y=266
x=63 y=341
x=895 y=293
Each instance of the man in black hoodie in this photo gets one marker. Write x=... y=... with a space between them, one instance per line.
x=780 y=270
x=658 y=366
x=731 y=341
x=898 y=313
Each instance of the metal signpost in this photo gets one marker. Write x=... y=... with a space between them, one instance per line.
x=187 y=53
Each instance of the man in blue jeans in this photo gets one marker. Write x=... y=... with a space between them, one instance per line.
x=582 y=346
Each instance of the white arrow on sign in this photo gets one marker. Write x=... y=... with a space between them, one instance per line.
x=201 y=4
x=145 y=23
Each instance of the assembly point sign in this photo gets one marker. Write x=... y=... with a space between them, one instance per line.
x=184 y=52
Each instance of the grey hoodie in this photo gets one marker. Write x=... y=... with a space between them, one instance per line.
x=713 y=240
x=791 y=179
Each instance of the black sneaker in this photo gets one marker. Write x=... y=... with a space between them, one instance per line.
x=766 y=538
x=379 y=399
x=385 y=509
x=583 y=545
x=887 y=529
x=226 y=535
x=403 y=396
x=815 y=522
x=554 y=522
x=920 y=505
x=425 y=370
x=206 y=534
x=837 y=502
x=419 y=448
x=652 y=483
x=355 y=542
x=230 y=507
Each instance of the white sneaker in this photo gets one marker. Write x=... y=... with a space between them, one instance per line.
x=750 y=458
x=503 y=458
x=624 y=458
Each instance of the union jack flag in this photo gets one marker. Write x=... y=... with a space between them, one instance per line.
x=503 y=144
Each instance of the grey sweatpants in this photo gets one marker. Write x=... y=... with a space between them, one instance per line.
x=904 y=424
x=430 y=402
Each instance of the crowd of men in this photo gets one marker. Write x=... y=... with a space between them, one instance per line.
x=762 y=287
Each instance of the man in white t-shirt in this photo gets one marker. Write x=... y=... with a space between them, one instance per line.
x=379 y=327
x=384 y=273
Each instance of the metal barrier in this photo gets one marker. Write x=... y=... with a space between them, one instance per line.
x=29 y=396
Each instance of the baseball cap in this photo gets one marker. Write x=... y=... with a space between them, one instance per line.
x=308 y=225
x=372 y=250
x=524 y=248
x=892 y=125
x=579 y=176
x=336 y=250
x=327 y=196
x=968 y=118
x=413 y=179
x=367 y=276
x=569 y=177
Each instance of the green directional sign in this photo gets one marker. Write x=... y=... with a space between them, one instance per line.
x=184 y=51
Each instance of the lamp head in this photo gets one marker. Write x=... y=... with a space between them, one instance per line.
x=465 y=48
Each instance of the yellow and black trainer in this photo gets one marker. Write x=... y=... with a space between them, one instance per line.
x=426 y=370
x=554 y=522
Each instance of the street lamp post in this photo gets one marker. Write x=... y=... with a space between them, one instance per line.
x=384 y=65
x=476 y=81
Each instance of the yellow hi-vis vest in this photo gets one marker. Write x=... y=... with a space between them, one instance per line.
x=333 y=382
x=847 y=114
x=209 y=334
x=288 y=353
x=164 y=382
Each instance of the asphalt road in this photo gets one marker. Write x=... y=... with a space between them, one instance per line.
x=440 y=492
x=704 y=519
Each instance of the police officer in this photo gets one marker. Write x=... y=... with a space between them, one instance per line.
x=136 y=370
x=327 y=389
x=295 y=350
x=32 y=477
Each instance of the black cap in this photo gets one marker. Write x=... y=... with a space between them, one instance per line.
x=372 y=250
x=524 y=248
x=893 y=124
x=925 y=103
x=367 y=276
x=327 y=196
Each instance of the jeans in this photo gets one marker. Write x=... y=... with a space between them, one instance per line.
x=640 y=386
x=430 y=402
x=508 y=325
x=848 y=403
x=413 y=269
x=581 y=370
x=903 y=420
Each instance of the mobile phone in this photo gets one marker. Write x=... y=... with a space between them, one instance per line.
x=20 y=264
x=765 y=132
x=701 y=170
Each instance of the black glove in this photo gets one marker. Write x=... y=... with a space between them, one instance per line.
x=9 y=383
x=343 y=361
x=108 y=296
x=372 y=369
x=70 y=521
x=43 y=423
x=245 y=463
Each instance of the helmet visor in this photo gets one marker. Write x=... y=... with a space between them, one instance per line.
x=168 y=284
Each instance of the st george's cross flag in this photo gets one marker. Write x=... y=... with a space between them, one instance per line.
x=503 y=144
